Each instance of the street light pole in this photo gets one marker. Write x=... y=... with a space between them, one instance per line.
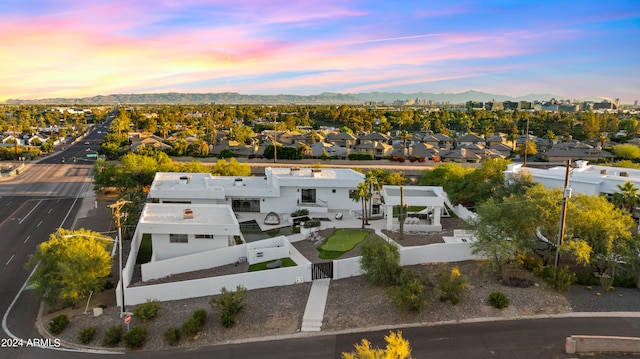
x=115 y=208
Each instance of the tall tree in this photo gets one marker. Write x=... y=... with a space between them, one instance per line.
x=362 y=194
x=70 y=265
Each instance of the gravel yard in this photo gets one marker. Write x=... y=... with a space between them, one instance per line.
x=351 y=304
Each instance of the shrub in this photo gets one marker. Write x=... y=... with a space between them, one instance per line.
x=226 y=153
x=57 y=324
x=194 y=324
x=529 y=263
x=172 y=336
x=360 y=156
x=380 y=262
x=228 y=304
x=86 y=334
x=452 y=284
x=564 y=278
x=312 y=223
x=300 y=212
x=148 y=310
x=498 y=300
x=410 y=292
x=135 y=338
x=112 y=336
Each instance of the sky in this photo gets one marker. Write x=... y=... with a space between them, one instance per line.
x=84 y=48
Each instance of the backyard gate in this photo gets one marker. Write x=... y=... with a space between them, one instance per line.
x=322 y=270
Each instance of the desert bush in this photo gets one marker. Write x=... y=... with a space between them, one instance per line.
x=172 y=336
x=228 y=304
x=86 y=334
x=498 y=300
x=452 y=283
x=529 y=263
x=380 y=261
x=112 y=336
x=135 y=338
x=57 y=324
x=563 y=280
x=194 y=324
x=410 y=292
x=300 y=212
x=148 y=310
x=312 y=223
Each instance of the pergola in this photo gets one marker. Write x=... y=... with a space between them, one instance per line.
x=426 y=219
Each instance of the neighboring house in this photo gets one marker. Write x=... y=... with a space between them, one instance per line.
x=470 y=139
x=291 y=138
x=151 y=141
x=342 y=139
x=499 y=138
x=586 y=179
x=575 y=151
x=281 y=190
x=376 y=149
x=423 y=150
x=331 y=150
x=460 y=155
x=182 y=229
x=444 y=142
x=501 y=149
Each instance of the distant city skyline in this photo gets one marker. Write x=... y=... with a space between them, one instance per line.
x=86 y=48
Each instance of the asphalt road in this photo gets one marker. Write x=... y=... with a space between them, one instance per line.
x=45 y=196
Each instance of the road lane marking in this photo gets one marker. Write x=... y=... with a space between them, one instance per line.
x=39 y=224
x=50 y=209
x=32 y=209
x=25 y=241
x=10 y=259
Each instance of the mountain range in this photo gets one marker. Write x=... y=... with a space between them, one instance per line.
x=323 y=98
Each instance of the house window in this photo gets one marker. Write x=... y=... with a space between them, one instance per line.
x=204 y=236
x=178 y=238
x=352 y=193
x=308 y=195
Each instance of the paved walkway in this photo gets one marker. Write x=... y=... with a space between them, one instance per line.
x=314 y=311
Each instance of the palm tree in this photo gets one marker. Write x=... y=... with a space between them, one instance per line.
x=373 y=184
x=628 y=196
x=362 y=194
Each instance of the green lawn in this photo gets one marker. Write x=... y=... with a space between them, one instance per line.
x=410 y=209
x=286 y=262
x=145 y=251
x=341 y=241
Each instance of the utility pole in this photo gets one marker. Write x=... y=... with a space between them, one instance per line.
x=566 y=194
x=526 y=145
x=115 y=210
x=275 y=140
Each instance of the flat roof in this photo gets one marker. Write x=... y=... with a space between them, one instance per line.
x=413 y=195
x=185 y=185
x=315 y=177
x=174 y=214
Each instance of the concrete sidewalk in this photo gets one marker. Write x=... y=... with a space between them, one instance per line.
x=314 y=311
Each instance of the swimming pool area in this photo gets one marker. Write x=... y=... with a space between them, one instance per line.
x=252 y=232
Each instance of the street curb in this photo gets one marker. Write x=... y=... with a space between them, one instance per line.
x=79 y=347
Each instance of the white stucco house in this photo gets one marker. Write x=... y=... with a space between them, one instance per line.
x=178 y=229
x=281 y=190
x=584 y=178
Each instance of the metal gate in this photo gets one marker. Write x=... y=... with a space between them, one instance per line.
x=322 y=270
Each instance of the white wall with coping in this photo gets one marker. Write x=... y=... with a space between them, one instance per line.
x=194 y=262
x=346 y=268
x=267 y=250
x=211 y=286
x=436 y=253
